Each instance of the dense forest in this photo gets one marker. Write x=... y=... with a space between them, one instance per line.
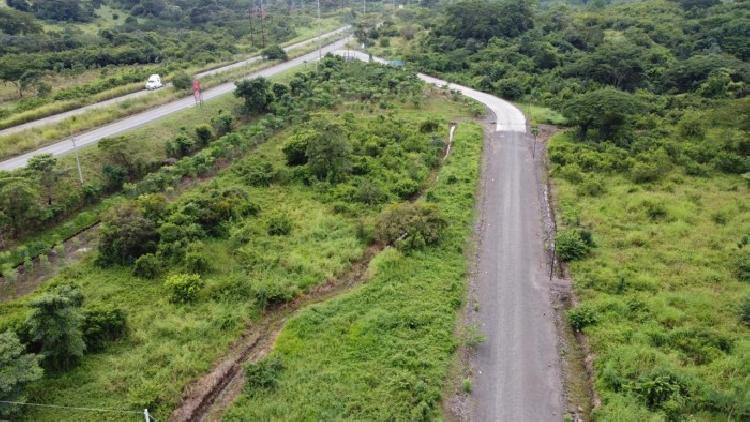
x=651 y=179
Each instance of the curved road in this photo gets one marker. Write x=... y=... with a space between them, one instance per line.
x=95 y=135
x=61 y=116
x=517 y=370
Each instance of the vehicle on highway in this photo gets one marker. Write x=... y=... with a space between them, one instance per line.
x=154 y=82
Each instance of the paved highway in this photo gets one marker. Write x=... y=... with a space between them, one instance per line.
x=62 y=116
x=139 y=119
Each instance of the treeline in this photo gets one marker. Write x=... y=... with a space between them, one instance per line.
x=638 y=76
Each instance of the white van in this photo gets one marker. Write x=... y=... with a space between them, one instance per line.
x=153 y=82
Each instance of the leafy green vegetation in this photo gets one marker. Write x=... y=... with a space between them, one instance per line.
x=380 y=352
x=651 y=182
x=662 y=298
x=209 y=257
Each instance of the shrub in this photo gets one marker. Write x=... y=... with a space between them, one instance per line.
x=571 y=245
x=742 y=265
x=125 y=235
x=647 y=171
x=256 y=172
x=295 y=151
x=146 y=266
x=275 y=52
x=222 y=123
x=466 y=386
x=410 y=226
x=102 y=324
x=745 y=310
x=279 y=225
x=204 y=134
x=270 y=293
x=182 y=81
x=264 y=374
x=184 y=288
x=196 y=262
x=581 y=317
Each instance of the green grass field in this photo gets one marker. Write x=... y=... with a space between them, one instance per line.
x=381 y=352
x=169 y=345
x=664 y=303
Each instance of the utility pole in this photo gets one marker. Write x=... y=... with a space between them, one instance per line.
x=320 y=34
x=146 y=416
x=262 y=33
x=364 y=6
x=78 y=160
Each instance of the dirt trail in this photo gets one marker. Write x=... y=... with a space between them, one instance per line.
x=210 y=396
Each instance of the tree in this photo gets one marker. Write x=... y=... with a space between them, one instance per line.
x=182 y=81
x=605 y=110
x=125 y=235
x=43 y=165
x=275 y=52
x=279 y=90
x=329 y=153
x=256 y=94
x=482 y=20
x=19 y=72
x=13 y=22
x=55 y=325
x=17 y=368
x=19 y=202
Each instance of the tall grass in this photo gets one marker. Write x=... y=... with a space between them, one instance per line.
x=662 y=292
x=382 y=351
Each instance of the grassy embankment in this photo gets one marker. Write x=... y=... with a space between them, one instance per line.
x=30 y=139
x=382 y=351
x=659 y=303
x=168 y=345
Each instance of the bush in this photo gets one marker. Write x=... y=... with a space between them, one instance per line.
x=101 y=325
x=295 y=151
x=745 y=310
x=581 y=317
x=182 y=81
x=264 y=374
x=742 y=265
x=275 y=52
x=222 y=123
x=204 y=134
x=572 y=246
x=196 y=262
x=271 y=294
x=279 y=225
x=410 y=226
x=147 y=266
x=256 y=172
x=125 y=235
x=184 y=288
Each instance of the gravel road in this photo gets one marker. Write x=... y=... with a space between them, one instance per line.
x=518 y=374
x=517 y=370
